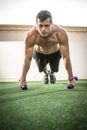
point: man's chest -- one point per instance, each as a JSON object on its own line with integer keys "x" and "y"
{"x": 46, "y": 40}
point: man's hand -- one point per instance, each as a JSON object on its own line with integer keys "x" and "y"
{"x": 72, "y": 83}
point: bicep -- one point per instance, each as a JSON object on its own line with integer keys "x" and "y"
{"x": 28, "y": 46}
{"x": 28, "y": 56}
{"x": 64, "y": 50}
{"x": 64, "y": 45}
{"x": 29, "y": 53}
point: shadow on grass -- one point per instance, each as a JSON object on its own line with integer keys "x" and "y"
{"x": 24, "y": 94}
{"x": 82, "y": 84}
{"x": 13, "y": 92}
{"x": 16, "y": 89}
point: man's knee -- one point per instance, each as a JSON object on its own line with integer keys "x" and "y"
{"x": 55, "y": 69}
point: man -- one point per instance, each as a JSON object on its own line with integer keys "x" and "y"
{"x": 46, "y": 42}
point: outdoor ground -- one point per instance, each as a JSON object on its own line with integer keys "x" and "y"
{"x": 43, "y": 107}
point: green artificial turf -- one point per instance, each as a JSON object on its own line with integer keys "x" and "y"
{"x": 43, "y": 107}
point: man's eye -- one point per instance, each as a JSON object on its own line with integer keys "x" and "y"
{"x": 46, "y": 26}
{"x": 40, "y": 26}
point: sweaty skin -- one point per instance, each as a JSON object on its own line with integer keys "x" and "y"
{"x": 47, "y": 38}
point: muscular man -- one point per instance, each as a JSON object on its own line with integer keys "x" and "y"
{"x": 46, "y": 42}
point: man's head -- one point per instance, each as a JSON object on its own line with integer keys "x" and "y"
{"x": 43, "y": 15}
{"x": 44, "y": 22}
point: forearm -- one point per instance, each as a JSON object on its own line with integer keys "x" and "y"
{"x": 25, "y": 69}
{"x": 68, "y": 67}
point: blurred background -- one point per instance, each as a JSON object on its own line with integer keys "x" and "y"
{"x": 65, "y": 12}
{"x": 17, "y": 17}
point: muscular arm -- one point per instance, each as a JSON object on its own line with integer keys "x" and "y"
{"x": 27, "y": 60}
{"x": 26, "y": 65}
{"x": 64, "y": 46}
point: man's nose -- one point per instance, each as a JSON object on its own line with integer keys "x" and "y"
{"x": 43, "y": 28}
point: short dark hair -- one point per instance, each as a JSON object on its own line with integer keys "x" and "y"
{"x": 43, "y": 15}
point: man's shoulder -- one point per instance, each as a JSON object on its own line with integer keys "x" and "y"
{"x": 33, "y": 29}
{"x": 32, "y": 32}
{"x": 31, "y": 35}
{"x": 62, "y": 34}
{"x": 58, "y": 28}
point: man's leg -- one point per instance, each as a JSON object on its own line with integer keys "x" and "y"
{"x": 45, "y": 77}
{"x": 54, "y": 65}
{"x": 52, "y": 76}
{"x": 42, "y": 65}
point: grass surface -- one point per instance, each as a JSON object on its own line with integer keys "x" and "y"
{"x": 43, "y": 107}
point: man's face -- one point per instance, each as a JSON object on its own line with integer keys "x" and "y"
{"x": 44, "y": 27}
